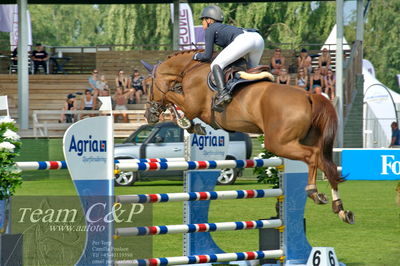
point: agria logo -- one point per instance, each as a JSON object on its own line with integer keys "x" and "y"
{"x": 208, "y": 141}
{"x": 87, "y": 145}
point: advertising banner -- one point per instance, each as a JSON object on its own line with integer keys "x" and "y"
{"x": 374, "y": 164}
{"x": 88, "y": 147}
{"x": 186, "y": 27}
{"x": 212, "y": 146}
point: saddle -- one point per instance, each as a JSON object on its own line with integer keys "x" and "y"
{"x": 238, "y": 73}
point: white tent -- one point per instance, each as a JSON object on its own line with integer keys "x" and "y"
{"x": 380, "y": 110}
{"x": 330, "y": 42}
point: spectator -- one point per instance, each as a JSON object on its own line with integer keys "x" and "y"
{"x": 14, "y": 56}
{"x": 330, "y": 84}
{"x": 283, "y": 78}
{"x": 302, "y": 78}
{"x": 121, "y": 80}
{"x": 93, "y": 80}
{"x": 147, "y": 83}
{"x": 316, "y": 81}
{"x": 137, "y": 83}
{"x": 105, "y": 92}
{"x": 121, "y": 99}
{"x": 102, "y": 83}
{"x": 277, "y": 62}
{"x": 324, "y": 62}
{"x": 304, "y": 60}
{"x": 88, "y": 102}
{"x": 69, "y": 105}
{"x": 395, "y": 143}
{"x": 39, "y": 58}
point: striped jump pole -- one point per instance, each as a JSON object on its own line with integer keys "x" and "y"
{"x": 199, "y": 165}
{"x": 197, "y": 196}
{"x": 196, "y": 259}
{"x": 57, "y": 165}
{"x": 195, "y": 228}
{"x": 42, "y": 165}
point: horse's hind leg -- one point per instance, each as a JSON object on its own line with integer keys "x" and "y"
{"x": 295, "y": 151}
{"x": 312, "y": 191}
{"x": 330, "y": 170}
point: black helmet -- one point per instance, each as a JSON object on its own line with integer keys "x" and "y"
{"x": 213, "y": 12}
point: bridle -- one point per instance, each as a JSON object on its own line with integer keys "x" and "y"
{"x": 160, "y": 106}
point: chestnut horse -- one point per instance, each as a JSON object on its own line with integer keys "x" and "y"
{"x": 296, "y": 125}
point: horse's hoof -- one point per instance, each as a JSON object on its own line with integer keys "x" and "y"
{"x": 318, "y": 198}
{"x": 346, "y": 216}
{"x": 322, "y": 199}
{"x": 184, "y": 123}
{"x": 199, "y": 129}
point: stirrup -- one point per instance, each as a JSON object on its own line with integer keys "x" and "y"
{"x": 219, "y": 103}
{"x": 218, "y": 108}
{"x": 222, "y": 98}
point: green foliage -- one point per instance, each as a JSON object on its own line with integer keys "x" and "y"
{"x": 10, "y": 177}
{"x": 267, "y": 175}
{"x": 382, "y": 41}
{"x": 281, "y": 22}
{"x": 82, "y": 25}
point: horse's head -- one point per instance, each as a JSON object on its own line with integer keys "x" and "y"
{"x": 165, "y": 77}
{"x": 155, "y": 95}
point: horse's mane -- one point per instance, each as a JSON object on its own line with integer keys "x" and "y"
{"x": 185, "y": 52}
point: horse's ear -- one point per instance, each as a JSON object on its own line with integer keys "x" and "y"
{"x": 148, "y": 66}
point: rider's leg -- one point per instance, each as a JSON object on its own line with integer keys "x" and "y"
{"x": 248, "y": 43}
{"x": 223, "y": 95}
{"x": 255, "y": 55}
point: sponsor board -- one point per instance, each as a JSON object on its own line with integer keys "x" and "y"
{"x": 374, "y": 164}
{"x": 212, "y": 146}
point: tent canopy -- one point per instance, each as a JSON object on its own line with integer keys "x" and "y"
{"x": 330, "y": 42}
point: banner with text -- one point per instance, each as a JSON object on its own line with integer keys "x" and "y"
{"x": 376, "y": 164}
{"x": 186, "y": 27}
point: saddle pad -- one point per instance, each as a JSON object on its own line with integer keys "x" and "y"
{"x": 233, "y": 83}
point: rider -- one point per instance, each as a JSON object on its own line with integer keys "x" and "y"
{"x": 237, "y": 42}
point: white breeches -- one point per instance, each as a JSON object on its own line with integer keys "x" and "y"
{"x": 249, "y": 44}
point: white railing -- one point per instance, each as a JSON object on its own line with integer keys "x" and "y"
{"x": 42, "y": 120}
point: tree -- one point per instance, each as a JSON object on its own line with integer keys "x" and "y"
{"x": 382, "y": 41}
{"x": 283, "y": 22}
{"x": 66, "y": 25}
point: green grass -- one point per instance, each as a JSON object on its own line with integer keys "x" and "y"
{"x": 373, "y": 240}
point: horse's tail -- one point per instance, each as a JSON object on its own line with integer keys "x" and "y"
{"x": 325, "y": 120}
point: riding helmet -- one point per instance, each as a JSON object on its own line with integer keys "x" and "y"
{"x": 213, "y": 12}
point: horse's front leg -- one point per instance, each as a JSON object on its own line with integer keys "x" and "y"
{"x": 190, "y": 110}
{"x": 184, "y": 122}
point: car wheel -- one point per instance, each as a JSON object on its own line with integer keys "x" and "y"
{"x": 228, "y": 176}
{"x": 125, "y": 178}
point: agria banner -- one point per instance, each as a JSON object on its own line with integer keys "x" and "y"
{"x": 374, "y": 164}
{"x": 88, "y": 151}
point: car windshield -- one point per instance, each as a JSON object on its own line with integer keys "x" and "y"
{"x": 140, "y": 135}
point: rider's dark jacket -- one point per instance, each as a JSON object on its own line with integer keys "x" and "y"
{"x": 220, "y": 34}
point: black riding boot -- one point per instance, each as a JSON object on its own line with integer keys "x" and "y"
{"x": 223, "y": 95}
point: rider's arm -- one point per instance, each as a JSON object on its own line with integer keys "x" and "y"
{"x": 206, "y": 56}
